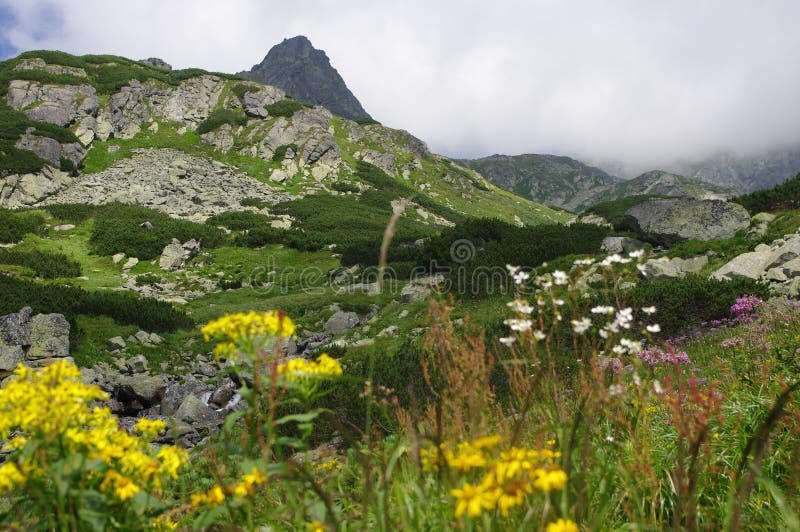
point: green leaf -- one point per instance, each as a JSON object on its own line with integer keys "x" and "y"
{"x": 300, "y": 418}
{"x": 206, "y": 519}
{"x": 93, "y": 513}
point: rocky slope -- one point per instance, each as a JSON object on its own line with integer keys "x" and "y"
{"x": 209, "y": 141}
{"x": 304, "y": 72}
{"x": 553, "y": 180}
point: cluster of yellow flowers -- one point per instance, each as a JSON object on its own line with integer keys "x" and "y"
{"x": 216, "y": 495}
{"x": 234, "y": 329}
{"x": 48, "y": 413}
{"x": 298, "y": 369}
{"x": 508, "y": 476}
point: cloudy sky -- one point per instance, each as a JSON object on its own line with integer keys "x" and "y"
{"x": 640, "y": 82}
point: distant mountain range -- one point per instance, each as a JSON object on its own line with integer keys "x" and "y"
{"x": 306, "y": 74}
{"x": 745, "y": 173}
{"x": 554, "y": 180}
{"x": 569, "y": 184}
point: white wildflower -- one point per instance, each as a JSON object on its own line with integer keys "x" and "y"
{"x": 539, "y": 335}
{"x": 558, "y": 302}
{"x": 649, "y": 310}
{"x": 636, "y": 254}
{"x": 560, "y": 277}
{"x": 507, "y": 340}
{"x": 581, "y": 326}
{"x": 653, "y": 328}
{"x": 520, "y": 306}
{"x": 637, "y": 380}
{"x": 600, "y": 309}
{"x": 519, "y": 325}
{"x": 615, "y": 389}
{"x": 632, "y": 346}
{"x": 657, "y": 388}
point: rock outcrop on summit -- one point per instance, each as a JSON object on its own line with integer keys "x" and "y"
{"x": 305, "y": 73}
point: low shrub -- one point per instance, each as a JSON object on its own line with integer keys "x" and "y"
{"x": 685, "y": 303}
{"x": 367, "y": 121}
{"x": 219, "y": 117}
{"x": 122, "y": 307}
{"x": 73, "y": 212}
{"x": 118, "y": 228}
{"x": 254, "y": 202}
{"x": 280, "y": 151}
{"x": 15, "y": 225}
{"x": 239, "y": 220}
{"x": 286, "y": 108}
{"x": 45, "y": 265}
{"x": 344, "y": 186}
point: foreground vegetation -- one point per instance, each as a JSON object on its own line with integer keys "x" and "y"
{"x": 583, "y": 415}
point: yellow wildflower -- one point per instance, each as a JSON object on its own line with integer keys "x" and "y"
{"x": 123, "y": 487}
{"x": 249, "y": 325}
{"x": 316, "y": 526}
{"x": 472, "y": 500}
{"x": 213, "y": 497}
{"x": 172, "y": 458}
{"x": 563, "y": 525}
{"x": 298, "y": 369}
{"x": 10, "y": 476}
{"x": 150, "y": 428}
{"x": 551, "y": 480}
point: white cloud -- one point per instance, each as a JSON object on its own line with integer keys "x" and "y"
{"x": 641, "y": 82}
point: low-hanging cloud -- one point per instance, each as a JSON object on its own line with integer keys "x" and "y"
{"x": 644, "y": 83}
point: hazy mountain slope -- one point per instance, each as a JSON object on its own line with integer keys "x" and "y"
{"x": 305, "y": 73}
{"x": 745, "y": 173}
{"x": 553, "y": 180}
{"x": 660, "y": 183}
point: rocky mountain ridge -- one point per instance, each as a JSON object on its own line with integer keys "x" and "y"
{"x": 305, "y": 72}
{"x": 231, "y": 132}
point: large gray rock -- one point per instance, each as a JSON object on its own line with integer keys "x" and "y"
{"x": 56, "y": 104}
{"x": 194, "y": 411}
{"x": 175, "y": 255}
{"x": 340, "y": 322}
{"x": 255, "y": 101}
{"x": 757, "y": 264}
{"x": 45, "y": 147}
{"x": 28, "y": 189}
{"x": 191, "y": 102}
{"x": 664, "y": 268}
{"x": 49, "y": 336}
{"x": 673, "y": 220}
{"x": 31, "y": 339}
{"x": 621, "y": 244}
{"x": 129, "y": 110}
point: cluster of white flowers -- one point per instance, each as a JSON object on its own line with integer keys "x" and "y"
{"x": 518, "y": 274}
{"x": 583, "y": 262}
{"x": 615, "y": 258}
{"x": 560, "y": 278}
{"x": 519, "y": 325}
{"x": 520, "y": 307}
{"x": 601, "y": 309}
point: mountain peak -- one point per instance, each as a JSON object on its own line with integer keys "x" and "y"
{"x": 304, "y": 72}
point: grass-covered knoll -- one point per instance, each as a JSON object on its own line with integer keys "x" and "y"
{"x": 781, "y": 197}
{"x": 107, "y": 73}
{"x": 614, "y": 210}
